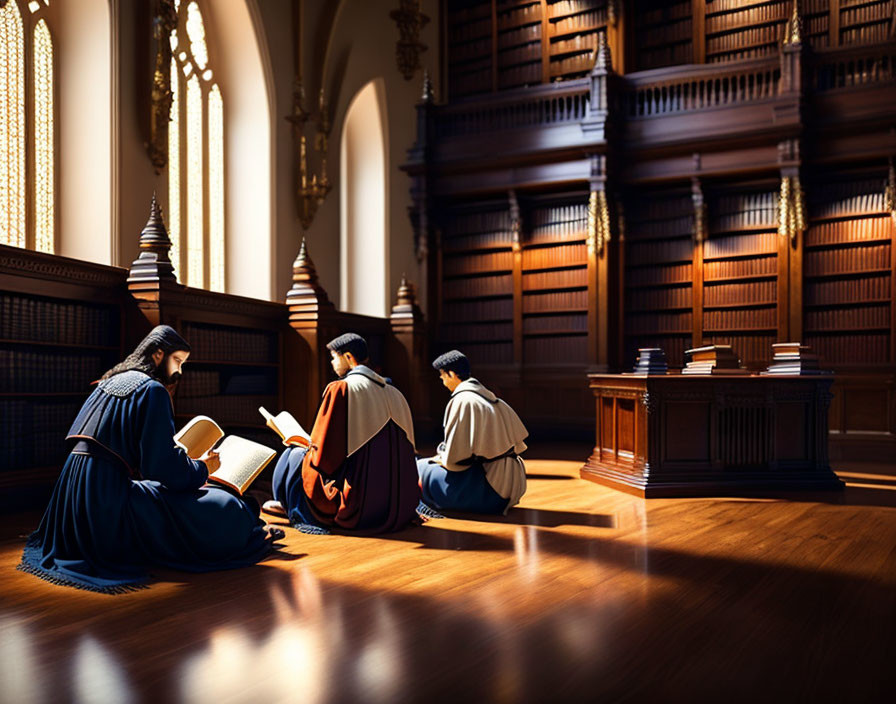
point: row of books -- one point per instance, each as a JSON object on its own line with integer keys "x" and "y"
{"x": 560, "y": 232}
{"x": 657, "y": 251}
{"x": 534, "y": 324}
{"x": 229, "y": 344}
{"x": 465, "y": 31}
{"x": 717, "y": 6}
{"x": 522, "y": 35}
{"x": 468, "y": 11}
{"x": 478, "y": 286}
{"x": 43, "y": 320}
{"x": 560, "y": 255}
{"x": 526, "y": 14}
{"x": 477, "y": 332}
{"x": 583, "y": 21}
{"x": 872, "y": 316}
{"x": 577, "y": 43}
{"x": 834, "y": 199}
{"x": 855, "y": 348}
{"x": 817, "y": 25}
{"x": 639, "y": 299}
{"x": 769, "y": 12}
{"x": 658, "y": 36}
{"x": 480, "y": 49}
{"x": 196, "y": 382}
{"x": 672, "y": 274}
{"x": 518, "y": 55}
{"x": 736, "y": 40}
{"x": 653, "y": 206}
{"x": 875, "y": 227}
{"x": 646, "y": 323}
{"x": 740, "y": 267}
{"x": 478, "y": 241}
{"x": 476, "y": 263}
{"x": 24, "y": 371}
{"x": 575, "y": 64}
{"x": 668, "y": 12}
{"x": 488, "y": 352}
{"x": 493, "y": 309}
{"x": 464, "y": 224}
{"x": 869, "y": 34}
{"x": 34, "y": 432}
{"x": 558, "y": 215}
{"x": 741, "y": 54}
{"x": 665, "y": 56}
{"x": 748, "y": 243}
{"x": 548, "y": 350}
{"x": 681, "y": 226}
{"x": 740, "y": 318}
{"x": 743, "y": 293}
{"x": 849, "y": 259}
{"x": 526, "y": 74}
{"x": 863, "y": 288}
{"x": 567, "y": 278}
{"x": 750, "y": 206}
{"x": 477, "y": 82}
{"x": 561, "y": 300}
{"x": 755, "y": 350}
{"x": 236, "y": 409}
{"x": 881, "y": 11}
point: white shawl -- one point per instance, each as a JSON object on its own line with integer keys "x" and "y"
{"x": 478, "y": 423}
{"x": 371, "y": 404}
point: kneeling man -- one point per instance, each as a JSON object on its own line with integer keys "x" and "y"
{"x": 478, "y": 467}
{"x": 359, "y": 474}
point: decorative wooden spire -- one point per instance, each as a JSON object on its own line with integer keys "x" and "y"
{"x": 604, "y": 59}
{"x": 307, "y": 298}
{"x": 793, "y": 32}
{"x": 153, "y": 264}
{"x": 406, "y": 309}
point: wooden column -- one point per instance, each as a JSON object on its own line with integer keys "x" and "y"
{"x": 407, "y": 359}
{"x": 697, "y": 273}
{"x": 516, "y": 226}
{"x": 698, "y": 29}
{"x": 310, "y": 310}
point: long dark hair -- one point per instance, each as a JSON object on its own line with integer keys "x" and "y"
{"x": 162, "y": 337}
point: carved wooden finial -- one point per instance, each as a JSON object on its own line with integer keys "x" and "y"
{"x": 793, "y": 31}
{"x": 303, "y": 268}
{"x": 307, "y": 299}
{"x": 427, "y": 96}
{"x": 407, "y": 292}
{"x": 153, "y": 264}
{"x": 604, "y": 60}
{"x": 406, "y": 310}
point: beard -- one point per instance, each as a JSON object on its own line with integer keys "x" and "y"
{"x": 169, "y": 379}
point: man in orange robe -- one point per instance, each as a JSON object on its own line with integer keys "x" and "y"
{"x": 359, "y": 475}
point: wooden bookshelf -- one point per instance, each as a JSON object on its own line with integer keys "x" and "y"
{"x": 664, "y": 33}
{"x": 848, "y": 270}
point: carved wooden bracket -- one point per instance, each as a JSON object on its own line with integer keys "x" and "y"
{"x": 409, "y": 47}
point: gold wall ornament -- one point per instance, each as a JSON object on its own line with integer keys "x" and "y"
{"x": 409, "y": 47}
{"x": 890, "y": 191}
{"x": 598, "y": 222}
{"x": 312, "y": 188}
{"x": 516, "y": 221}
{"x": 163, "y": 22}
{"x": 793, "y": 31}
{"x": 699, "y": 210}
{"x": 791, "y": 208}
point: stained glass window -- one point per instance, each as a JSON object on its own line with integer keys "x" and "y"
{"x": 196, "y": 156}
{"x": 28, "y": 197}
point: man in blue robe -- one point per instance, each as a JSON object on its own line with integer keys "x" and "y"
{"x": 128, "y": 498}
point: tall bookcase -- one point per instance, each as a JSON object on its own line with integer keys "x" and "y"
{"x": 865, "y": 22}
{"x": 477, "y": 285}
{"x": 665, "y": 34}
{"x": 555, "y": 281}
{"x": 848, "y": 271}
{"x": 499, "y": 44}
{"x": 659, "y": 273}
{"x": 740, "y": 273}
{"x": 737, "y": 30}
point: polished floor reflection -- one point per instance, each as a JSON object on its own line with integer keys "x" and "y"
{"x": 580, "y": 594}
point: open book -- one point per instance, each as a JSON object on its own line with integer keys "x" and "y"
{"x": 287, "y": 427}
{"x": 241, "y": 460}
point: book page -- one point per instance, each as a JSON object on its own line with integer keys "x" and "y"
{"x": 287, "y": 427}
{"x": 198, "y": 436}
{"x": 241, "y": 462}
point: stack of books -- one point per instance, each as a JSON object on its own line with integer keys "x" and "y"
{"x": 651, "y": 360}
{"x": 793, "y": 358}
{"x": 712, "y": 359}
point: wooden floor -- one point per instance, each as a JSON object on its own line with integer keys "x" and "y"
{"x": 581, "y": 594}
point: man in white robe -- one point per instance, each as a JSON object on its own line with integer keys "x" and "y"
{"x": 477, "y": 468}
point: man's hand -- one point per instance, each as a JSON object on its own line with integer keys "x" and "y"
{"x": 212, "y": 461}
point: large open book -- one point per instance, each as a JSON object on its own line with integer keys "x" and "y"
{"x": 241, "y": 460}
{"x": 287, "y": 427}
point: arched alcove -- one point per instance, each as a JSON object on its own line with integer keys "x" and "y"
{"x": 364, "y": 258}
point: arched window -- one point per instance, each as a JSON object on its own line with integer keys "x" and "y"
{"x": 27, "y": 127}
{"x": 364, "y": 214}
{"x": 195, "y": 156}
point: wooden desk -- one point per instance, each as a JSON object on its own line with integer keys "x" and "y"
{"x": 675, "y": 435}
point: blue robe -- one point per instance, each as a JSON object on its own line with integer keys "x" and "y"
{"x": 128, "y": 499}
